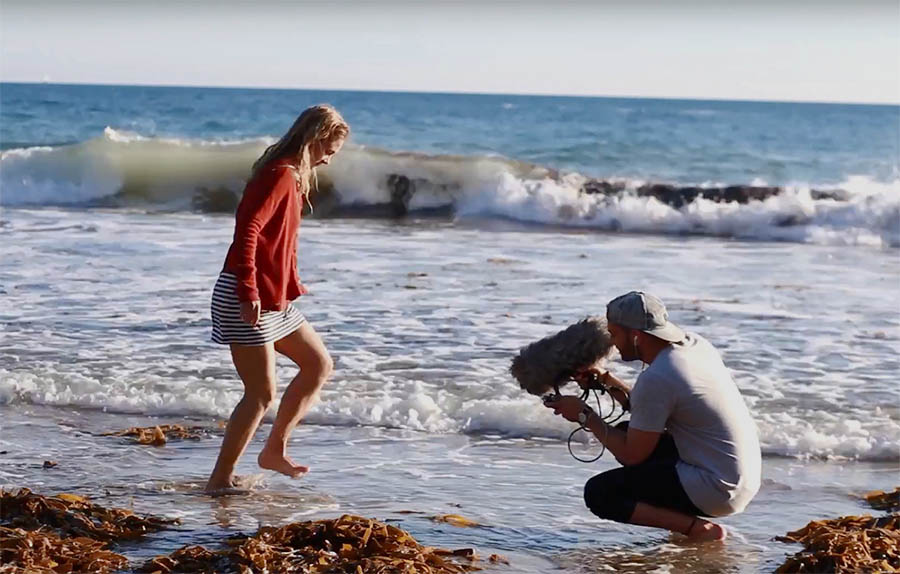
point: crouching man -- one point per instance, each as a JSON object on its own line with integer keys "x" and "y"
{"x": 690, "y": 450}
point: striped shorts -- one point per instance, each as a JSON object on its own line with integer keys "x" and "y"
{"x": 228, "y": 328}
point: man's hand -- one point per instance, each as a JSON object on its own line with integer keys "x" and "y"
{"x": 568, "y": 406}
{"x": 588, "y": 378}
{"x": 250, "y": 312}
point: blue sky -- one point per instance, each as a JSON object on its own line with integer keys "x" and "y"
{"x": 800, "y": 50}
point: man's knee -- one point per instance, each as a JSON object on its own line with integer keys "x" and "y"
{"x": 605, "y": 496}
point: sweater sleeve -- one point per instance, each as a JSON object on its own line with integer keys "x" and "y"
{"x": 257, "y": 206}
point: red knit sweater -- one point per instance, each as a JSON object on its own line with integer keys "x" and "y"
{"x": 263, "y": 254}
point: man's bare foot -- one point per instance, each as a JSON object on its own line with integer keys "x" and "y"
{"x": 280, "y": 463}
{"x": 705, "y": 531}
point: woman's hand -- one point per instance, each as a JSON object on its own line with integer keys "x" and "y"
{"x": 250, "y": 312}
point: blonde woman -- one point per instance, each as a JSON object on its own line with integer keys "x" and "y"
{"x": 251, "y": 302}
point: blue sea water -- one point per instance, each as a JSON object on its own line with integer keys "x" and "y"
{"x": 682, "y": 141}
{"x": 521, "y": 158}
{"x": 106, "y": 267}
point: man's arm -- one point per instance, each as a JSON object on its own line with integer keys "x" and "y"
{"x": 629, "y": 448}
{"x": 617, "y": 389}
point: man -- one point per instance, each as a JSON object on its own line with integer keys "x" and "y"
{"x": 690, "y": 449}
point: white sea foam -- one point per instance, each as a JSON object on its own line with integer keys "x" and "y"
{"x": 428, "y": 409}
{"x": 169, "y": 173}
{"x": 143, "y": 170}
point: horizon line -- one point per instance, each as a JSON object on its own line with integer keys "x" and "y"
{"x": 454, "y": 93}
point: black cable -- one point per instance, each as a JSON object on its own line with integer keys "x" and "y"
{"x": 584, "y": 396}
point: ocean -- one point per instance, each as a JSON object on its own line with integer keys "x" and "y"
{"x": 451, "y": 231}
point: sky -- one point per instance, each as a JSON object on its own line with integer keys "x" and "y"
{"x": 725, "y": 49}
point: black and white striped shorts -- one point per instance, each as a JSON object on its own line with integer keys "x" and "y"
{"x": 228, "y": 328}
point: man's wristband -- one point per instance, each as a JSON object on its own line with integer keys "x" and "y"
{"x": 585, "y": 415}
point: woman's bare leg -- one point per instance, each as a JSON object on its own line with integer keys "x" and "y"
{"x": 306, "y": 349}
{"x": 256, "y": 367}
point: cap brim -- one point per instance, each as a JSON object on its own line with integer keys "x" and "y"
{"x": 668, "y": 332}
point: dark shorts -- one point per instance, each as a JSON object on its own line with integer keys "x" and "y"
{"x": 614, "y": 494}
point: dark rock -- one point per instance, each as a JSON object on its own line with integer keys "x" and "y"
{"x": 670, "y": 194}
{"x": 323, "y": 198}
{"x": 678, "y": 197}
{"x": 788, "y": 221}
{"x": 217, "y": 200}
{"x": 741, "y": 193}
{"x": 835, "y": 194}
{"x": 399, "y": 191}
{"x": 402, "y": 190}
{"x": 598, "y": 186}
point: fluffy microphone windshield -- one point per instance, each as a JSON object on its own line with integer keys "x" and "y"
{"x": 551, "y": 362}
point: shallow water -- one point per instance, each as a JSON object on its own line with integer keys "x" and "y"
{"x": 525, "y": 495}
{"x": 111, "y": 310}
{"x": 105, "y": 326}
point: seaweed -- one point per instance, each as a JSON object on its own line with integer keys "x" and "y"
{"x": 160, "y": 434}
{"x": 72, "y": 515}
{"x": 847, "y": 544}
{"x": 347, "y": 545}
{"x": 38, "y": 552}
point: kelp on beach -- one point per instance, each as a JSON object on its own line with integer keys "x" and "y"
{"x": 889, "y": 501}
{"x": 37, "y": 552}
{"x": 65, "y": 533}
{"x": 68, "y": 533}
{"x": 160, "y": 434}
{"x": 850, "y": 543}
{"x": 349, "y": 544}
{"x": 73, "y": 515}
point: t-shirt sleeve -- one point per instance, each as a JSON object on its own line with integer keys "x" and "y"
{"x": 652, "y": 402}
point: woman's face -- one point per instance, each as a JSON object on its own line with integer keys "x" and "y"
{"x": 321, "y": 152}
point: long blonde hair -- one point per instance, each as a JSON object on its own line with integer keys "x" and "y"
{"x": 321, "y": 123}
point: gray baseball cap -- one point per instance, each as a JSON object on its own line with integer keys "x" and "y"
{"x": 644, "y": 312}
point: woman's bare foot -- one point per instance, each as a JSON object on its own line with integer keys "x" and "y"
{"x": 218, "y": 484}
{"x": 705, "y": 531}
{"x": 279, "y": 462}
{"x": 224, "y": 487}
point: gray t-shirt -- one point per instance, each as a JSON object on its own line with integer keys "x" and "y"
{"x": 688, "y": 391}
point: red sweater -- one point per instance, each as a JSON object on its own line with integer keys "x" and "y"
{"x": 263, "y": 254}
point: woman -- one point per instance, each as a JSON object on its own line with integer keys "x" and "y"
{"x": 251, "y": 302}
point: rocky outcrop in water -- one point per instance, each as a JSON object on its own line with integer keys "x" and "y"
{"x": 399, "y": 190}
{"x": 402, "y": 189}
{"x": 679, "y": 196}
